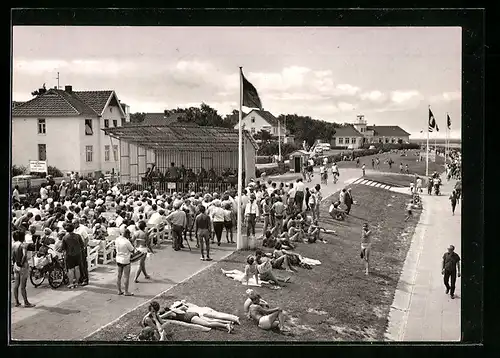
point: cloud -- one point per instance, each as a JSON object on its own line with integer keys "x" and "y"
{"x": 347, "y": 89}
{"x": 399, "y": 97}
{"x": 373, "y": 96}
{"x": 345, "y": 107}
{"x": 446, "y": 97}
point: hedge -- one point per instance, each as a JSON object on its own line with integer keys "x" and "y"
{"x": 55, "y": 172}
{"x": 280, "y": 168}
{"x": 263, "y": 159}
{"x": 390, "y": 146}
{"x": 270, "y": 149}
{"x": 18, "y": 170}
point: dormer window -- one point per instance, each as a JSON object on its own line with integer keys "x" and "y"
{"x": 252, "y": 119}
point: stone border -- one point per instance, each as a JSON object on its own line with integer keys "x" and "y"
{"x": 398, "y": 314}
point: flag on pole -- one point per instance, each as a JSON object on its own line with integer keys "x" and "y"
{"x": 448, "y": 120}
{"x": 432, "y": 121}
{"x": 437, "y": 128}
{"x": 250, "y": 96}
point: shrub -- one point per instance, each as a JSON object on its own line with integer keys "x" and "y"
{"x": 281, "y": 168}
{"x": 55, "y": 172}
{"x": 18, "y": 170}
{"x": 389, "y": 146}
{"x": 263, "y": 159}
{"x": 269, "y": 149}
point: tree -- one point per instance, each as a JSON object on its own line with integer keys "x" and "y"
{"x": 230, "y": 120}
{"x": 39, "y": 91}
{"x": 263, "y": 135}
{"x": 203, "y": 116}
{"x": 308, "y": 129}
{"x": 137, "y": 117}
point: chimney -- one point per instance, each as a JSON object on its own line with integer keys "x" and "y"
{"x": 68, "y": 88}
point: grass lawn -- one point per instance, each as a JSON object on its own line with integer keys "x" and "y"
{"x": 413, "y": 166}
{"x": 334, "y": 301}
{"x": 397, "y": 180}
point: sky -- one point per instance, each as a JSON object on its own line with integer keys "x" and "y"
{"x": 390, "y": 75}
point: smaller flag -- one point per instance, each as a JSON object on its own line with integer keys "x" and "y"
{"x": 432, "y": 121}
{"x": 437, "y": 128}
{"x": 250, "y": 96}
{"x": 448, "y": 121}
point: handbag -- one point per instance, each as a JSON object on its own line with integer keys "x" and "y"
{"x": 136, "y": 256}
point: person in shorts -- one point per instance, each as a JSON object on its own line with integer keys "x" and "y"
{"x": 72, "y": 245}
{"x": 366, "y": 247}
{"x": 409, "y": 208}
{"x": 124, "y": 249}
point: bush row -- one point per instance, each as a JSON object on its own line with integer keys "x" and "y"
{"x": 22, "y": 170}
{"x": 280, "y": 168}
{"x": 263, "y": 159}
{"x": 390, "y": 146}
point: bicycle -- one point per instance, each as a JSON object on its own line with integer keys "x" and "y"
{"x": 52, "y": 266}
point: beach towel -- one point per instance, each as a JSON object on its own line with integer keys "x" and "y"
{"x": 311, "y": 262}
{"x": 238, "y": 275}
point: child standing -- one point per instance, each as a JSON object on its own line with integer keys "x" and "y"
{"x": 409, "y": 206}
{"x": 366, "y": 247}
{"x": 363, "y": 167}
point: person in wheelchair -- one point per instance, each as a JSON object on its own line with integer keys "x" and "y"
{"x": 335, "y": 211}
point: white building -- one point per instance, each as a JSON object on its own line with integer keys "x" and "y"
{"x": 63, "y": 127}
{"x": 260, "y": 120}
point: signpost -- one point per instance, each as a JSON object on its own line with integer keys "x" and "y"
{"x": 38, "y": 166}
{"x": 171, "y": 187}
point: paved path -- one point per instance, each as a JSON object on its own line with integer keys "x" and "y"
{"x": 421, "y": 310}
{"x": 64, "y": 314}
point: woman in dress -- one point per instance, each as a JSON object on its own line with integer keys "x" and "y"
{"x": 143, "y": 245}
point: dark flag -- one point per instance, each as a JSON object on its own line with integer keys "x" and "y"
{"x": 437, "y": 128}
{"x": 448, "y": 121}
{"x": 250, "y": 96}
{"x": 432, "y": 121}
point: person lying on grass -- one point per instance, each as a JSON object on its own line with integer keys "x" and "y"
{"x": 292, "y": 258}
{"x": 251, "y": 270}
{"x": 181, "y": 314}
{"x": 336, "y": 212}
{"x": 265, "y": 269}
{"x": 205, "y": 312}
{"x": 270, "y": 241}
{"x": 266, "y": 318}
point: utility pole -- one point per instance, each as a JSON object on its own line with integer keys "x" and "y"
{"x": 57, "y": 78}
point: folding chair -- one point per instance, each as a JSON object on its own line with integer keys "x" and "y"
{"x": 92, "y": 258}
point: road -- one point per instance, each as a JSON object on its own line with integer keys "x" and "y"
{"x": 64, "y": 314}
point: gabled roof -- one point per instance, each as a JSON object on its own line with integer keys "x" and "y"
{"x": 97, "y": 100}
{"x": 53, "y": 103}
{"x": 347, "y": 131}
{"x": 268, "y": 116}
{"x": 15, "y": 104}
{"x": 161, "y": 119}
{"x": 388, "y": 131}
{"x": 180, "y": 137}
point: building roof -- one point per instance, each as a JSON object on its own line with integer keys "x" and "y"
{"x": 268, "y": 116}
{"x": 347, "y": 131}
{"x": 97, "y": 100}
{"x": 53, "y": 103}
{"x": 388, "y": 131}
{"x": 15, "y": 104}
{"x": 180, "y": 137}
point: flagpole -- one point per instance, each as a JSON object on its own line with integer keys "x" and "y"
{"x": 279, "y": 141}
{"x": 427, "y": 147}
{"x": 446, "y": 142}
{"x": 239, "y": 239}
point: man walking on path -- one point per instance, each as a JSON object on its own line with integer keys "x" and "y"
{"x": 348, "y": 200}
{"x": 451, "y": 269}
{"x": 453, "y": 199}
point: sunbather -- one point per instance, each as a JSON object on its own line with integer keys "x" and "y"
{"x": 251, "y": 269}
{"x": 206, "y": 312}
{"x": 265, "y": 269}
{"x": 335, "y": 211}
{"x": 266, "y": 318}
{"x": 153, "y": 328}
{"x": 181, "y": 314}
{"x": 252, "y": 294}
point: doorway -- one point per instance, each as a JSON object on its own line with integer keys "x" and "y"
{"x": 297, "y": 164}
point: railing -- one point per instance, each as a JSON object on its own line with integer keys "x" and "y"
{"x": 185, "y": 186}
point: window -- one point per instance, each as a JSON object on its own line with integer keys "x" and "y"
{"x": 380, "y": 140}
{"x": 41, "y": 126}
{"x": 110, "y": 109}
{"x": 362, "y": 130}
{"x": 252, "y": 130}
{"x": 387, "y": 140}
{"x": 88, "y": 153}
{"x": 42, "y": 152}
{"x": 115, "y": 152}
{"x": 115, "y": 123}
{"x": 252, "y": 119}
{"x": 393, "y": 140}
{"x": 341, "y": 140}
{"x": 347, "y": 141}
{"x": 106, "y": 123}
{"x": 106, "y": 153}
{"x": 88, "y": 127}
{"x": 353, "y": 140}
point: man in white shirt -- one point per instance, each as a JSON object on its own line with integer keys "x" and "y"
{"x": 299, "y": 193}
{"x": 157, "y": 218}
{"x": 244, "y": 200}
{"x": 251, "y": 214}
{"x": 124, "y": 249}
